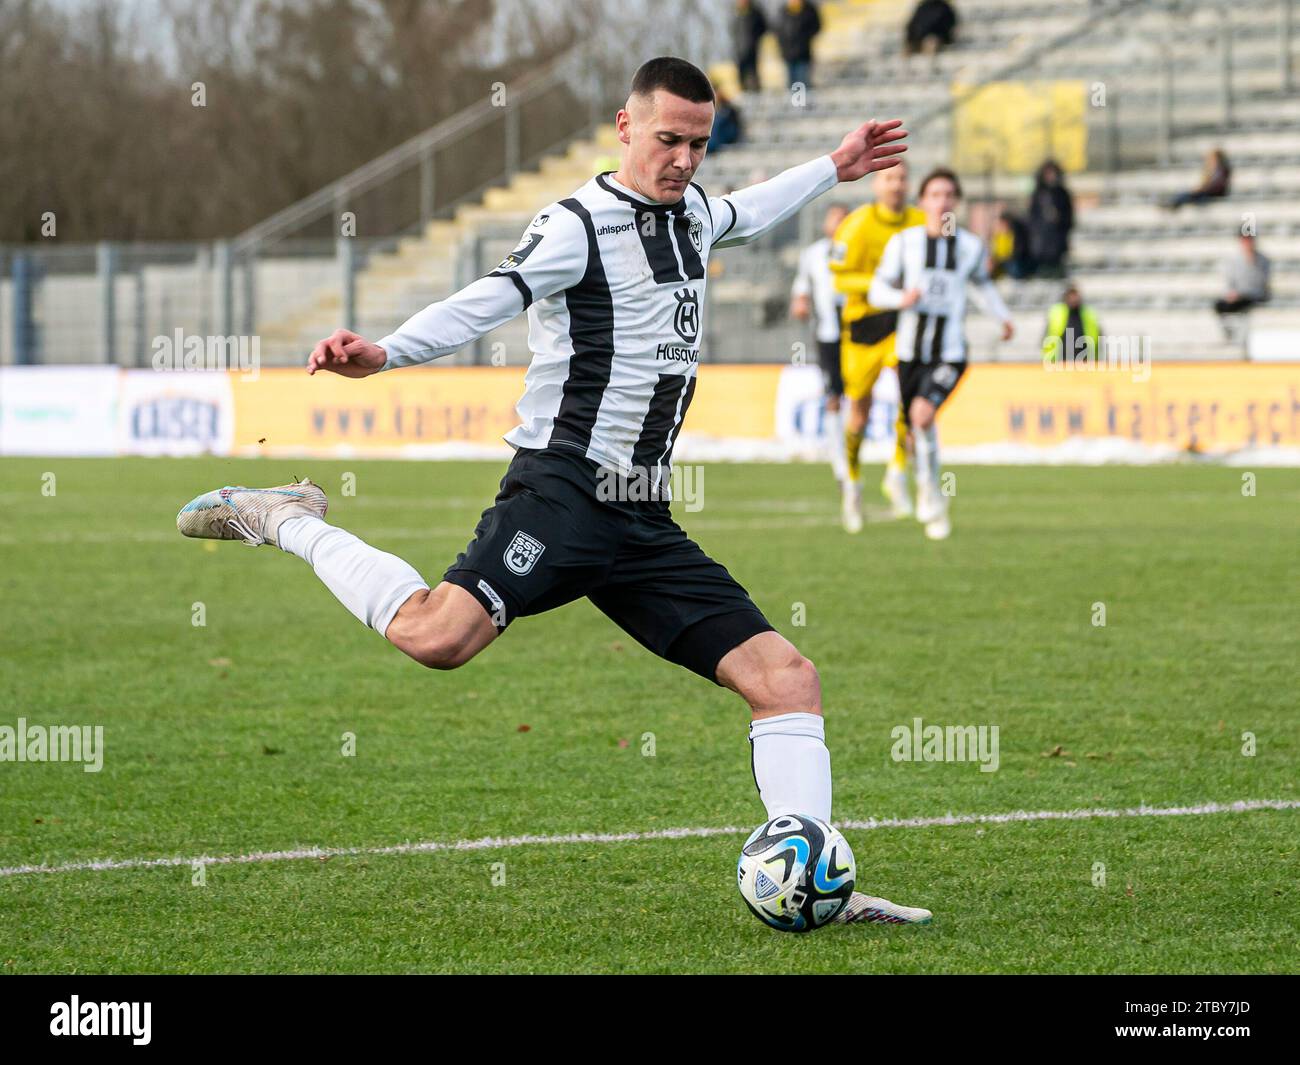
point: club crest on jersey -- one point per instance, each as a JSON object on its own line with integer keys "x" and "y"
{"x": 687, "y": 319}
{"x": 695, "y": 230}
{"x": 522, "y": 554}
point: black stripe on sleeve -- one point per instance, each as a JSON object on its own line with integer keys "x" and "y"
{"x": 591, "y": 330}
{"x": 731, "y": 225}
{"x": 703, "y": 196}
{"x": 519, "y": 283}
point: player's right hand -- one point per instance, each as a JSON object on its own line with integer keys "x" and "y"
{"x": 911, "y": 297}
{"x": 344, "y": 352}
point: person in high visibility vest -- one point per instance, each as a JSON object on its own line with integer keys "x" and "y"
{"x": 1073, "y": 332}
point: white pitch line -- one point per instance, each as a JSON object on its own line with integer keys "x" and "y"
{"x": 500, "y": 842}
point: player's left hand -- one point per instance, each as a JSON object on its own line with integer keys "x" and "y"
{"x": 872, "y": 146}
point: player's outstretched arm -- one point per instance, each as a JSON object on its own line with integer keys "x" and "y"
{"x": 872, "y": 146}
{"x": 741, "y": 216}
{"x": 551, "y": 256}
{"x": 344, "y": 352}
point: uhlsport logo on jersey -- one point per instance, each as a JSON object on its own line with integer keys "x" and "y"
{"x": 522, "y": 554}
{"x": 696, "y": 230}
{"x": 687, "y": 319}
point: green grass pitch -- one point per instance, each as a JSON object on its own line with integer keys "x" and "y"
{"x": 225, "y": 738}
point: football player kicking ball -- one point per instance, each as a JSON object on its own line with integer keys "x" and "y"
{"x": 923, "y": 273}
{"x": 613, "y": 279}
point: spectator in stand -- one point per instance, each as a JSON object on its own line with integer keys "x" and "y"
{"x": 1009, "y": 248}
{"x": 727, "y": 125}
{"x": 1051, "y": 217}
{"x": 931, "y": 27}
{"x": 796, "y": 26}
{"x": 1216, "y": 177}
{"x": 748, "y": 27}
{"x": 1247, "y": 275}
{"x": 1072, "y": 329}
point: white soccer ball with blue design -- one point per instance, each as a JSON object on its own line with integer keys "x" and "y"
{"x": 796, "y": 873}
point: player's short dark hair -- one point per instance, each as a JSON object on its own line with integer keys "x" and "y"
{"x": 673, "y": 75}
{"x": 940, "y": 173}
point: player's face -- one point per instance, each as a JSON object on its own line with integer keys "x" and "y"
{"x": 939, "y": 201}
{"x": 666, "y": 138}
{"x": 890, "y": 187}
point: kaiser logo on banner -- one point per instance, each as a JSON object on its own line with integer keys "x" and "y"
{"x": 801, "y": 409}
{"x": 176, "y": 413}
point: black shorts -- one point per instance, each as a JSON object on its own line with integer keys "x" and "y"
{"x": 549, "y": 539}
{"x": 828, "y": 358}
{"x": 934, "y": 381}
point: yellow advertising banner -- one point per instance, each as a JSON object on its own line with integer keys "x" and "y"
{"x": 459, "y": 410}
{"x": 284, "y": 411}
{"x": 1211, "y": 407}
{"x": 1013, "y": 126}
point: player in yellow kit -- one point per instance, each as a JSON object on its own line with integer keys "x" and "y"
{"x": 867, "y": 339}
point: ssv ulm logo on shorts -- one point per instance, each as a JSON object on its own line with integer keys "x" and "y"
{"x": 522, "y": 554}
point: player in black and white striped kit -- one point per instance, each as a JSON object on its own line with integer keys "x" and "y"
{"x": 923, "y": 272}
{"x": 613, "y": 280}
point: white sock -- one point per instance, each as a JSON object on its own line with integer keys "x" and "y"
{"x": 371, "y": 583}
{"x": 835, "y": 443}
{"x": 792, "y": 766}
{"x": 926, "y": 445}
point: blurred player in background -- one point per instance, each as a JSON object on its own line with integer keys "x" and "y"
{"x": 923, "y": 273}
{"x": 867, "y": 344}
{"x": 814, "y": 295}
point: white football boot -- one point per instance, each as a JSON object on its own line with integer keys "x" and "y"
{"x": 868, "y": 908}
{"x": 894, "y": 489}
{"x": 939, "y": 529}
{"x": 929, "y": 503}
{"x": 851, "y": 507}
{"x": 253, "y": 515}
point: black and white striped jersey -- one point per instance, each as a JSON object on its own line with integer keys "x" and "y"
{"x": 614, "y": 288}
{"x": 933, "y": 328}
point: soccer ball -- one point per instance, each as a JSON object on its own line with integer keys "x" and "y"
{"x": 796, "y": 872}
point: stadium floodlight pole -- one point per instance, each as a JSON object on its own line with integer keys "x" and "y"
{"x": 1284, "y": 52}
{"x": 106, "y": 267}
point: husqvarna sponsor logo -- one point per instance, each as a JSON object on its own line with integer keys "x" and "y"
{"x": 686, "y": 319}
{"x": 677, "y": 353}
